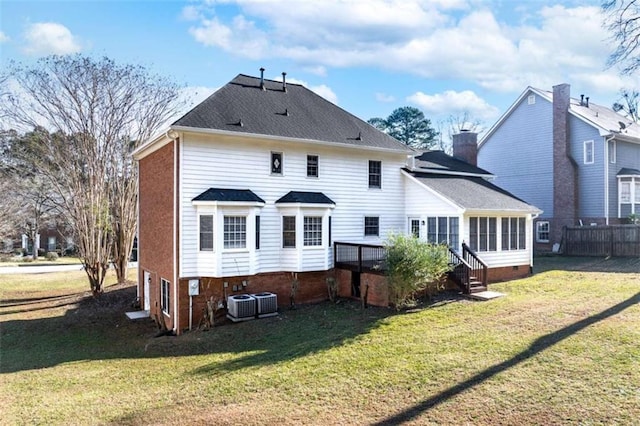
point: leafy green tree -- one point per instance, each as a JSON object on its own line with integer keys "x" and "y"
{"x": 413, "y": 266}
{"x": 408, "y": 125}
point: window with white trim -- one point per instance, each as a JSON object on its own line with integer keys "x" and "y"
{"x": 312, "y": 231}
{"x": 588, "y": 152}
{"x": 375, "y": 174}
{"x": 288, "y": 231}
{"x": 531, "y": 99}
{"x": 312, "y": 166}
{"x": 276, "y": 163}
{"x": 542, "y": 231}
{"x": 514, "y": 233}
{"x": 371, "y": 226}
{"x": 414, "y": 227}
{"x": 612, "y": 151}
{"x": 165, "y": 299}
{"x": 206, "y": 232}
{"x": 483, "y": 233}
{"x": 235, "y": 232}
{"x": 257, "y": 232}
{"x": 637, "y": 193}
{"x": 625, "y": 192}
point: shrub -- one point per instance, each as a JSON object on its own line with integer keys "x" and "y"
{"x": 52, "y": 255}
{"x": 413, "y": 266}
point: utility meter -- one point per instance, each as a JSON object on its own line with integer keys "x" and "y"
{"x": 194, "y": 287}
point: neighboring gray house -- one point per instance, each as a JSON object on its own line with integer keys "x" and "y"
{"x": 577, "y": 161}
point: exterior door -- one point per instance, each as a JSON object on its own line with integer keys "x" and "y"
{"x": 414, "y": 227}
{"x": 147, "y": 286}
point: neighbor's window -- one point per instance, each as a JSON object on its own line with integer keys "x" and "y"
{"x": 288, "y": 231}
{"x": 375, "y": 174}
{"x": 482, "y": 233}
{"x": 625, "y": 192}
{"x": 513, "y": 233}
{"x": 371, "y": 226}
{"x": 542, "y": 232}
{"x": 235, "y": 232}
{"x": 312, "y": 166}
{"x": 637, "y": 194}
{"x": 312, "y": 231}
{"x": 276, "y": 163}
{"x": 588, "y": 152}
{"x": 612, "y": 152}
{"x": 165, "y": 300}
{"x": 531, "y": 99}
{"x": 206, "y": 232}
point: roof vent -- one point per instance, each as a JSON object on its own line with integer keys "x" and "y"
{"x": 581, "y": 100}
{"x": 284, "y": 81}
{"x": 262, "y": 78}
{"x": 359, "y": 138}
{"x": 240, "y": 123}
{"x": 587, "y": 102}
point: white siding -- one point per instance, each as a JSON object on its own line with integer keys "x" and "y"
{"x": 226, "y": 162}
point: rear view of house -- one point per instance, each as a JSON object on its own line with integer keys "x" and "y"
{"x": 253, "y": 189}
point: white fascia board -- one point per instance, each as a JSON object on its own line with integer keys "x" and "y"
{"x": 502, "y": 212}
{"x": 151, "y": 146}
{"x": 459, "y": 209}
{"x": 227, "y": 203}
{"x": 306, "y": 205}
{"x": 487, "y": 176}
{"x": 288, "y": 139}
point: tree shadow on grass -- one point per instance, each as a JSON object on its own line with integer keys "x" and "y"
{"x": 536, "y": 347}
{"x": 52, "y": 331}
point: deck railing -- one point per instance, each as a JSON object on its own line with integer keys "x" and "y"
{"x": 359, "y": 257}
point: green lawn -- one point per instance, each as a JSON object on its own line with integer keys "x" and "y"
{"x": 563, "y": 347}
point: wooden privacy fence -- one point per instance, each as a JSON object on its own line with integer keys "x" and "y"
{"x": 611, "y": 240}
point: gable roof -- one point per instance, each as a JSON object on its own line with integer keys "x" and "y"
{"x": 474, "y": 193}
{"x": 440, "y": 162}
{"x": 305, "y": 198}
{"x": 224, "y": 194}
{"x": 604, "y": 119}
{"x": 242, "y": 106}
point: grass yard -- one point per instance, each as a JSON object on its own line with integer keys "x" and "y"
{"x": 562, "y": 348}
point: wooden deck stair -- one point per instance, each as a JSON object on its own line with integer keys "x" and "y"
{"x": 468, "y": 271}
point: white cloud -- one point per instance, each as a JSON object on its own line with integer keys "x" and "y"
{"x": 45, "y": 38}
{"x": 3, "y": 37}
{"x": 322, "y": 90}
{"x": 383, "y": 97}
{"x": 454, "y": 39}
{"x": 454, "y": 103}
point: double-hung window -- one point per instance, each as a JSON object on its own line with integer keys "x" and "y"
{"x": 443, "y": 230}
{"x": 235, "y": 232}
{"x": 375, "y": 174}
{"x": 588, "y": 152}
{"x": 542, "y": 231}
{"x": 312, "y": 166}
{"x": 288, "y": 231}
{"x": 312, "y": 230}
{"x": 371, "y": 226}
{"x": 206, "y": 232}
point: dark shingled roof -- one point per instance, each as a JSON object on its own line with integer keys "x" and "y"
{"x": 242, "y": 106}
{"x": 305, "y": 198}
{"x": 222, "y": 194}
{"x": 628, "y": 171}
{"x": 474, "y": 193}
{"x": 438, "y": 161}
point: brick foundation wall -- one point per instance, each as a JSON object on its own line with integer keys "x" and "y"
{"x": 155, "y": 239}
{"x": 508, "y": 273}
{"x": 312, "y": 288}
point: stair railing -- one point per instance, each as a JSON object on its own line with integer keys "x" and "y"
{"x": 478, "y": 267}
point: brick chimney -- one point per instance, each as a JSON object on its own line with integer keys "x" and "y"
{"x": 465, "y": 147}
{"x": 565, "y": 169}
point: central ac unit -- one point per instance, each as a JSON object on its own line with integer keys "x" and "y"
{"x": 241, "y": 307}
{"x": 267, "y": 304}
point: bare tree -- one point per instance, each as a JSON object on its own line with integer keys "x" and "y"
{"x": 622, "y": 19}
{"x": 628, "y": 104}
{"x": 455, "y": 124}
{"x": 98, "y": 111}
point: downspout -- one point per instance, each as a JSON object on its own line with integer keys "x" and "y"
{"x": 606, "y": 178}
{"x": 171, "y": 134}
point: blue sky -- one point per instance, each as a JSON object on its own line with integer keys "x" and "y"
{"x": 368, "y": 56}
